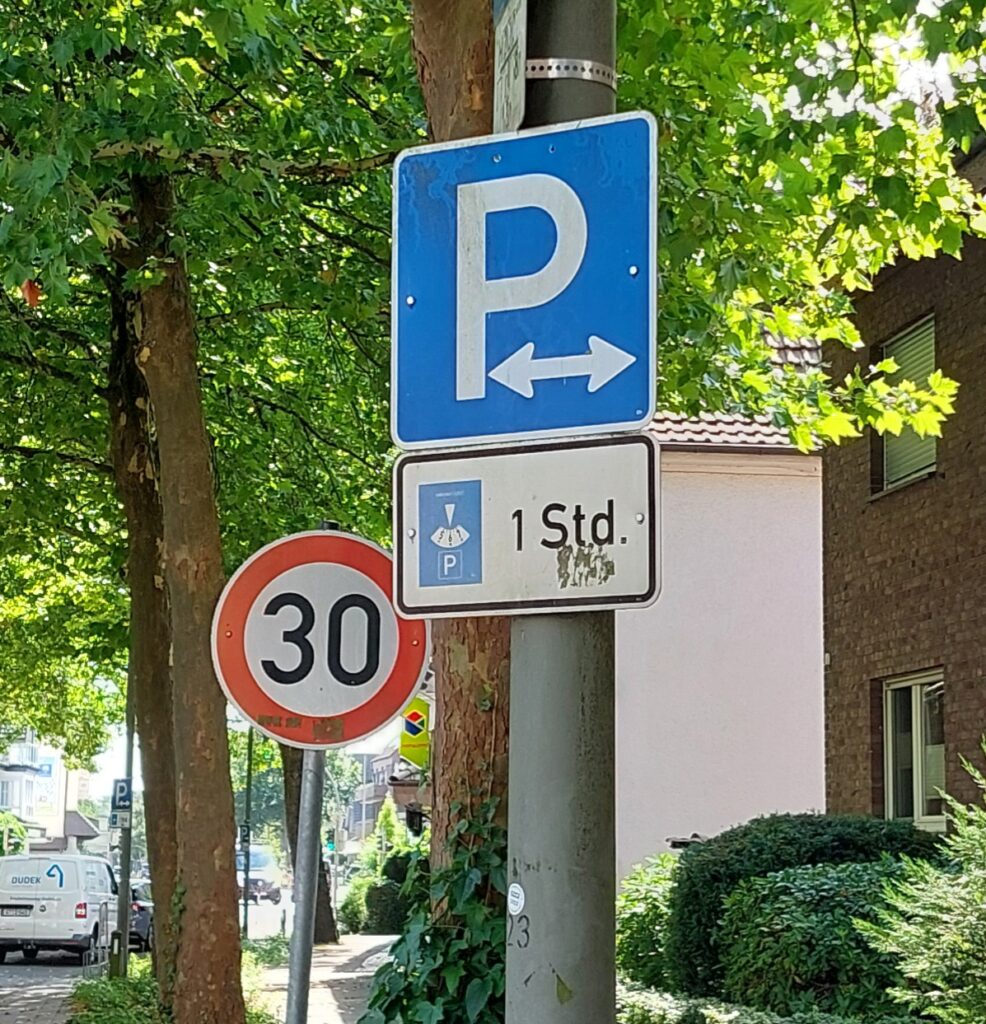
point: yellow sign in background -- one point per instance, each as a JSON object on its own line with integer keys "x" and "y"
{"x": 416, "y": 733}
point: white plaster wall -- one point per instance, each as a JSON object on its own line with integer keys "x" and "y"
{"x": 719, "y": 710}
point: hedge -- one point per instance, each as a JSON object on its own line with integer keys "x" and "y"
{"x": 790, "y": 943}
{"x": 642, "y": 909}
{"x": 640, "y": 1006}
{"x": 708, "y": 872}
{"x": 387, "y": 909}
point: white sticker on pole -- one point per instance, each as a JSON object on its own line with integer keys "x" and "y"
{"x": 516, "y": 899}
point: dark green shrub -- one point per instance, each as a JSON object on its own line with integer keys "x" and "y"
{"x": 708, "y": 872}
{"x": 396, "y": 866}
{"x": 387, "y": 908}
{"x": 789, "y": 943}
{"x": 934, "y": 924}
{"x": 642, "y": 910}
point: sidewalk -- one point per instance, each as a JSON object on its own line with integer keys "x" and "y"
{"x": 340, "y": 980}
{"x": 37, "y": 993}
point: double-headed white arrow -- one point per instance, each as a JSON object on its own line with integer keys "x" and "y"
{"x": 600, "y": 364}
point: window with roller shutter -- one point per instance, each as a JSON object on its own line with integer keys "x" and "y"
{"x": 907, "y": 456}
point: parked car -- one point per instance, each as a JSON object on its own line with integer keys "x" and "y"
{"x": 265, "y": 875}
{"x": 142, "y": 917}
{"x": 56, "y": 902}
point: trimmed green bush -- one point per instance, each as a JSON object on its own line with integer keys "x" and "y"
{"x": 637, "y": 1006}
{"x": 642, "y": 909}
{"x": 789, "y": 942}
{"x": 708, "y": 872}
{"x": 387, "y": 909}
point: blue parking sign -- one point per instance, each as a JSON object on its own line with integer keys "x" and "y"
{"x": 525, "y": 285}
{"x": 451, "y": 524}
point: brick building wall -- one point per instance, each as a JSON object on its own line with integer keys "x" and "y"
{"x": 905, "y": 571}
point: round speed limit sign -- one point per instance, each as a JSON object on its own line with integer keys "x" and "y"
{"x": 307, "y": 645}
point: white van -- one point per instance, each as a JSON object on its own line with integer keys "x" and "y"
{"x": 51, "y": 901}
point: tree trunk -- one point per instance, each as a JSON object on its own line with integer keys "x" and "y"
{"x": 453, "y": 47}
{"x": 207, "y": 979}
{"x": 326, "y": 929}
{"x": 472, "y": 677}
{"x": 150, "y": 626}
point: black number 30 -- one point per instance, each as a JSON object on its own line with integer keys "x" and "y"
{"x": 306, "y": 653}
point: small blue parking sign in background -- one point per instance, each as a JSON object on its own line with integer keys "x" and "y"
{"x": 451, "y": 523}
{"x": 122, "y": 796}
{"x": 525, "y": 288}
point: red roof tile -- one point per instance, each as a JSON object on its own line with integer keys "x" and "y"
{"x": 719, "y": 430}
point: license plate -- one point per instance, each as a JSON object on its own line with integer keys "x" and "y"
{"x": 15, "y": 911}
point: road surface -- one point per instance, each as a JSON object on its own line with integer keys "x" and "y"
{"x": 37, "y": 993}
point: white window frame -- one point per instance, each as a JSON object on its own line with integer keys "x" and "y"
{"x": 916, "y": 683}
{"x": 890, "y": 439}
{"x": 6, "y": 795}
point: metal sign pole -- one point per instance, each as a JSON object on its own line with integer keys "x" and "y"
{"x": 118, "y": 968}
{"x": 562, "y": 851}
{"x": 245, "y": 837}
{"x": 305, "y": 885}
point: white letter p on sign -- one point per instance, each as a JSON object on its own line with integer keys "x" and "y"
{"x": 476, "y": 296}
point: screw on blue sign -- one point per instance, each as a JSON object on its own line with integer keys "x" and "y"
{"x": 525, "y": 285}
{"x": 451, "y": 523}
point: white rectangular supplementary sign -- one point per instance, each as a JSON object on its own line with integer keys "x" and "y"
{"x": 524, "y": 529}
{"x": 510, "y": 63}
{"x": 525, "y": 285}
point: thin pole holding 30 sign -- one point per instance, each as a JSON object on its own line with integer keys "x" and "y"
{"x": 307, "y": 646}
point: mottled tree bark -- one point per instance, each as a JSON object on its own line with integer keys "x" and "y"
{"x": 326, "y": 929}
{"x": 469, "y": 753}
{"x": 453, "y": 48}
{"x": 150, "y": 626}
{"x": 207, "y": 979}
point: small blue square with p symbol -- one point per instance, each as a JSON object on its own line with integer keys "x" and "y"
{"x": 450, "y": 519}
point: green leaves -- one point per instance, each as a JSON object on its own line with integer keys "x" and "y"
{"x": 786, "y": 936}
{"x": 793, "y": 168}
{"x": 450, "y": 960}
{"x": 934, "y": 918}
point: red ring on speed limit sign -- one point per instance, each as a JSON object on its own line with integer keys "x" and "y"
{"x": 229, "y": 641}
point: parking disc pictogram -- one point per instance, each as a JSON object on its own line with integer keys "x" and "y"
{"x": 307, "y": 645}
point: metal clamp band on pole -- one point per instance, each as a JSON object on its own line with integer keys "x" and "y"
{"x": 572, "y": 67}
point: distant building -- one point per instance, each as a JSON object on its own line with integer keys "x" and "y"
{"x": 37, "y": 787}
{"x": 719, "y": 689}
{"x": 370, "y": 795}
{"x": 19, "y": 771}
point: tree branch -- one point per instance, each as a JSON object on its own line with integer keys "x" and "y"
{"x": 264, "y": 307}
{"x": 345, "y": 240}
{"x": 33, "y": 363}
{"x": 312, "y": 171}
{"x": 310, "y": 429}
{"x": 26, "y": 452}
